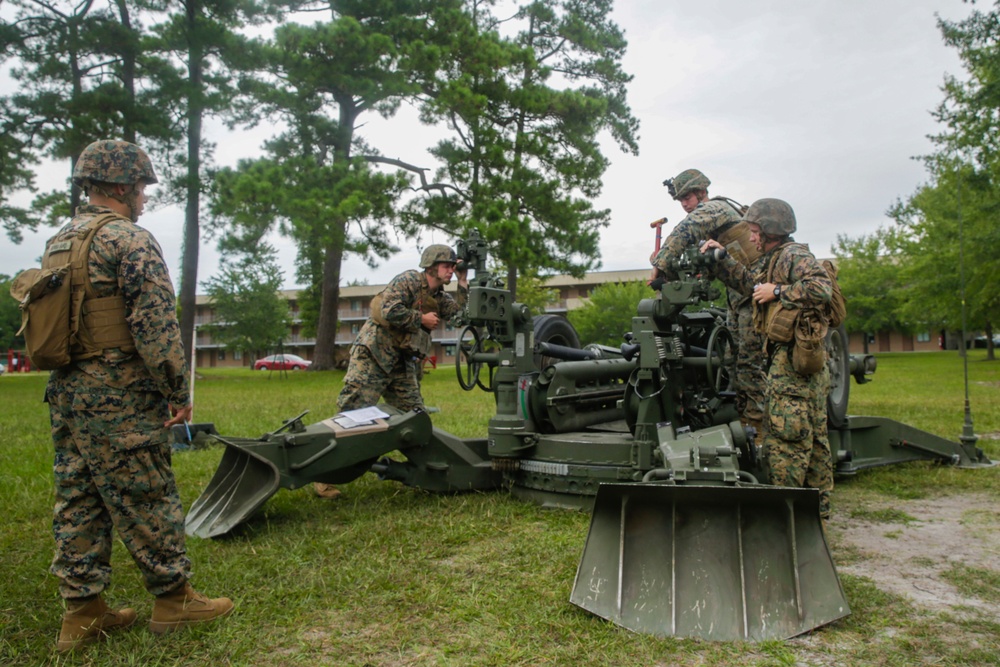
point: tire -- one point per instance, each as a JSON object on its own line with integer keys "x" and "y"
{"x": 262, "y": 368}
{"x": 839, "y": 361}
{"x": 553, "y": 329}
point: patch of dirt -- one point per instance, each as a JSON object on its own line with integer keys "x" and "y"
{"x": 909, "y": 558}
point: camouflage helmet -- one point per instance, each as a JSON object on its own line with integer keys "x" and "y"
{"x": 774, "y": 217}
{"x": 436, "y": 253}
{"x": 686, "y": 182}
{"x": 112, "y": 161}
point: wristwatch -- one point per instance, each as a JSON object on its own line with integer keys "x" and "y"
{"x": 777, "y": 291}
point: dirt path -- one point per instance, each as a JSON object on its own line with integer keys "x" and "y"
{"x": 910, "y": 558}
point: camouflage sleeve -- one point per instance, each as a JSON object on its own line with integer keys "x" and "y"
{"x": 684, "y": 234}
{"x": 449, "y": 306}
{"x": 150, "y": 306}
{"x": 399, "y": 302}
{"x": 805, "y": 284}
{"x": 699, "y": 225}
{"x": 735, "y": 275}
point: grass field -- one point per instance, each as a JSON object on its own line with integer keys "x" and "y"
{"x": 388, "y": 575}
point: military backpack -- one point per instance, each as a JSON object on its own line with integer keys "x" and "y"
{"x": 61, "y": 318}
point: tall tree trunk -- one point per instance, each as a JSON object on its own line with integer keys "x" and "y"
{"x": 328, "y": 322}
{"x": 128, "y": 73}
{"x": 189, "y": 263}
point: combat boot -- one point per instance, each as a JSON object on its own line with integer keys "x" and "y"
{"x": 185, "y": 606}
{"x": 328, "y": 491}
{"x": 88, "y": 620}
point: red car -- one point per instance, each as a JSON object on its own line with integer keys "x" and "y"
{"x": 282, "y": 362}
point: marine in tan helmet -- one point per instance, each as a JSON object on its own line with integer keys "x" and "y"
{"x": 790, "y": 288}
{"x": 719, "y": 219}
{"x": 387, "y": 356}
{"x": 111, "y": 408}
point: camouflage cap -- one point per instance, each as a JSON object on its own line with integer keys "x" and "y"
{"x": 437, "y": 253}
{"x": 774, "y": 217}
{"x": 685, "y": 182}
{"x": 112, "y": 161}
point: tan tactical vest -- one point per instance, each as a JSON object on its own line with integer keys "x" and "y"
{"x": 96, "y": 324}
{"x": 419, "y": 342}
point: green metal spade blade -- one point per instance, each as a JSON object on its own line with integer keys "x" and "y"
{"x": 713, "y": 562}
{"x": 241, "y": 484}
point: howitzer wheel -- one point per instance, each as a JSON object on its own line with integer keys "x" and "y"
{"x": 467, "y": 351}
{"x": 720, "y": 360}
{"x": 839, "y": 362}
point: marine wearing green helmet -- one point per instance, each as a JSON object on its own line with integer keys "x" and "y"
{"x": 437, "y": 253}
{"x": 106, "y": 163}
{"x": 686, "y": 182}
{"x": 774, "y": 217}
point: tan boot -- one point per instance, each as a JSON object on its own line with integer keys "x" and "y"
{"x": 87, "y": 621}
{"x": 328, "y": 491}
{"x": 186, "y": 606}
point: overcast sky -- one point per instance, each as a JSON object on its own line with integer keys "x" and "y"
{"x": 823, "y": 104}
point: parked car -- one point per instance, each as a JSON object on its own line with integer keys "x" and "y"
{"x": 3, "y": 368}
{"x": 282, "y": 362}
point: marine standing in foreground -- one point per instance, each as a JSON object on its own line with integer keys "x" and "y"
{"x": 719, "y": 220}
{"x": 387, "y": 355}
{"x": 789, "y": 278}
{"x": 111, "y": 409}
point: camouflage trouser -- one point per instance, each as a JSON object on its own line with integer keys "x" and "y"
{"x": 796, "y": 446}
{"x": 366, "y": 382}
{"x": 750, "y": 379}
{"x": 112, "y": 470}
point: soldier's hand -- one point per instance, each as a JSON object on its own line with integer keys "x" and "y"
{"x": 180, "y": 414}
{"x": 429, "y": 321}
{"x": 709, "y": 244}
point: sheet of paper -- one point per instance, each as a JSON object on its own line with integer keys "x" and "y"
{"x": 365, "y": 414}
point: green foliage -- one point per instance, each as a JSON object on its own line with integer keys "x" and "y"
{"x": 250, "y": 314}
{"x": 870, "y": 274}
{"x": 10, "y": 318}
{"x": 315, "y": 185}
{"x": 608, "y": 312}
{"x": 942, "y": 246}
{"x": 528, "y": 99}
{"x": 78, "y": 72}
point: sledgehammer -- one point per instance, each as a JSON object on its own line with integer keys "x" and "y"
{"x": 658, "y": 224}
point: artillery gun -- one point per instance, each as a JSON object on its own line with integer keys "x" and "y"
{"x": 684, "y": 539}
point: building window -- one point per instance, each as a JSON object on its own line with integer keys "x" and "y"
{"x": 355, "y": 305}
{"x": 449, "y": 350}
{"x": 924, "y": 337}
{"x": 355, "y": 328}
{"x": 238, "y": 355}
{"x": 221, "y": 355}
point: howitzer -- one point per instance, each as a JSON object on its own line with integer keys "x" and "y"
{"x": 684, "y": 539}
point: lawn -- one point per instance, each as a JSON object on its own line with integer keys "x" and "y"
{"x": 388, "y": 575}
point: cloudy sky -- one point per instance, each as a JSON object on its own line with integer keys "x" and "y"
{"x": 823, "y": 104}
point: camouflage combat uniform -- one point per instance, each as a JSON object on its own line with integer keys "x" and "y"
{"x": 112, "y": 455}
{"x": 384, "y": 360}
{"x": 707, "y": 221}
{"x": 796, "y": 447}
